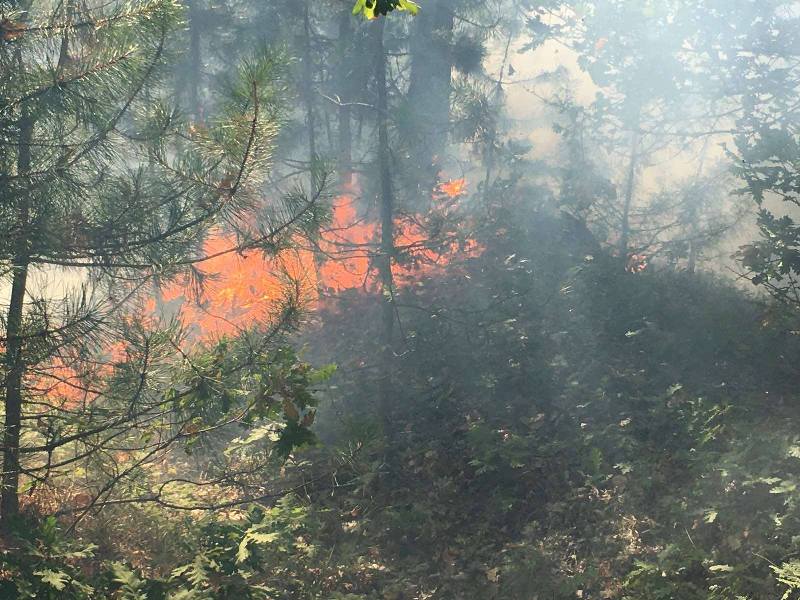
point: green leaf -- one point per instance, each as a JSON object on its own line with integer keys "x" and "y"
{"x": 55, "y": 579}
{"x": 359, "y": 6}
{"x": 768, "y": 480}
{"x": 131, "y": 586}
{"x": 322, "y": 374}
{"x": 784, "y": 487}
{"x": 253, "y": 537}
{"x": 294, "y": 435}
{"x": 721, "y": 568}
{"x": 411, "y": 7}
{"x": 372, "y": 9}
{"x": 674, "y": 389}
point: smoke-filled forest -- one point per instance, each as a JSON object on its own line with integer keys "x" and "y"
{"x": 394, "y": 300}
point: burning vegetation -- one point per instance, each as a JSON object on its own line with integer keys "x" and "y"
{"x": 399, "y": 301}
{"x": 247, "y": 287}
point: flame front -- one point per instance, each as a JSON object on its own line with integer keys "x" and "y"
{"x": 248, "y": 287}
{"x": 245, "y": 288}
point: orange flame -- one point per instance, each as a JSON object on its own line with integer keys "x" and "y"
{"x": 351, "y": 243}
{"x": 347, "y": 247}
{"x": 245, "y": 288}
{"x": 249, "y": 286}
{"x": 453, "y": 188}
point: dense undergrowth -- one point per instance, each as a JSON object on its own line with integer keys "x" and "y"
{"x": 561, "y": 428}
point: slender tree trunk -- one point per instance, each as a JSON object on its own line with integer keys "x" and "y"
{"x": 345, "y": 154}
{"x": 14, "y": 359}
{"x": 487, "y": 178}
{"x": 430, "y": 86}
{"x": 195, "y": 60}
{"x": 694, "y": 249}
{"x": 308, "y": 85}
{"x": 387, "y": 231}
{"x": 491, "y": 137}
{"x": 630, "y": 186}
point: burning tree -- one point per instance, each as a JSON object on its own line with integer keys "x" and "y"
{"x": 109, "y": 188}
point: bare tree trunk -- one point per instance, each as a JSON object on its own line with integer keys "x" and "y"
{"x": 14, "y": 359}
{"x": 387, "y": 231}
{"x": 345, "y": 154}
{"x": 195, "y": 60}
{"x": 430, "y": 86}
{"x": 694, "y": 249}
{"x": 308, "y": 87}
{"x": 630, "y": 186}
{"x": 491, "y": 137}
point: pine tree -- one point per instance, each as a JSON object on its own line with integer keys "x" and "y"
{"x": 102, "y": 179}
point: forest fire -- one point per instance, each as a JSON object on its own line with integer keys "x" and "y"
{"x": 68, "y": 381}
{"x": 243, "y": 289}
{"x": 299, "y": 302}
{"x": 247, "y": 287}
